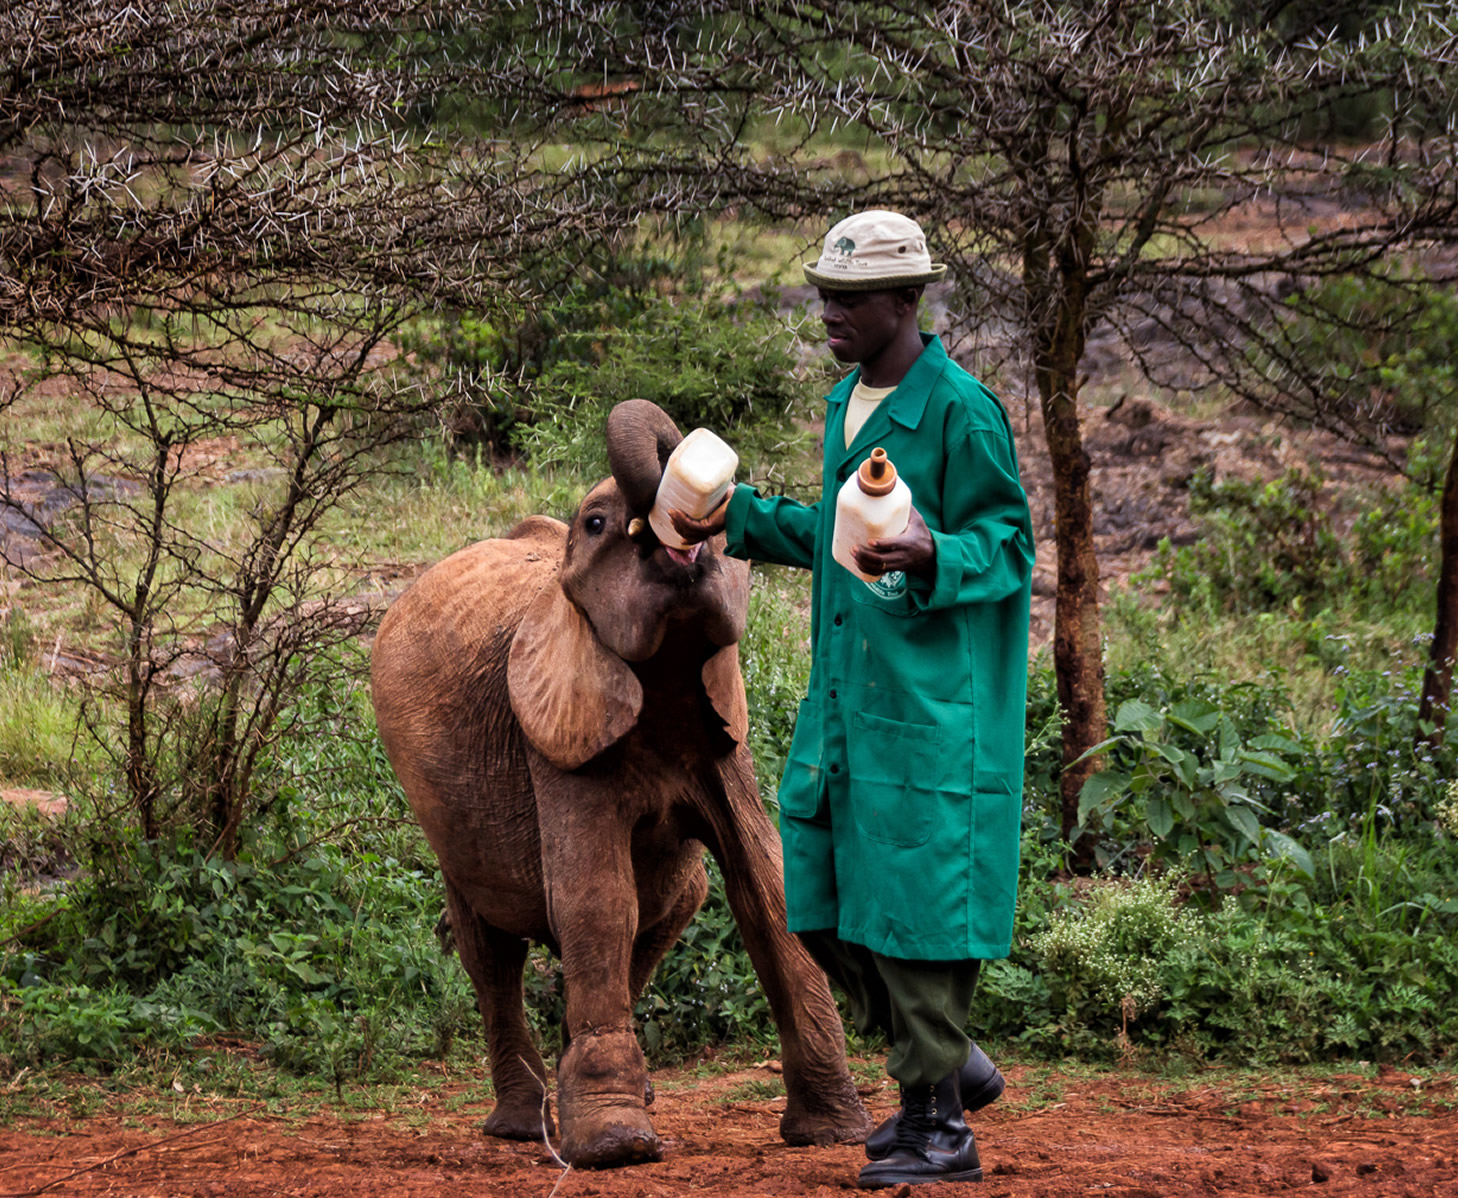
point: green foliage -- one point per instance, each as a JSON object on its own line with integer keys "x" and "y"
{"x": 1381, "y": 350}
{"x": 1282, "y": 546}
{"x": 635, "y": 319}
{"x": 316, "y": 941}
{"x": 1110, "y": 950}
{"x": 1263, "y": 545}
{"x": 775, "y": 660}
{"x": 315, "y": 955}
{"x": 1194, "y": 785}
{"x": 705, "y": 363}
{"x": 1373, "y": 767}
{"x": 1356, "y": 961}
{"x": 706, "y": 990}
{"x": 1340, "y": 951}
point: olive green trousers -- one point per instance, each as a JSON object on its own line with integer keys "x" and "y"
{"x": 921, "y": 1007}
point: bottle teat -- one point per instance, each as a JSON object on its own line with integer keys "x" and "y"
{"x": 877, "y": 475}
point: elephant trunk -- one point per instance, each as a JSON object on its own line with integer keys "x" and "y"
{"x": 640, "y": 436}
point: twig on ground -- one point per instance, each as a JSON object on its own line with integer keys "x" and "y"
{"x": 191, "y": 1131}
{"x": 546, "y": 1141}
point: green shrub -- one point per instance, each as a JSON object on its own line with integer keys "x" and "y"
{"x": 1282, "y": 546}
{"x": 1108, "y": 953}
{"x": 733, "y": 369}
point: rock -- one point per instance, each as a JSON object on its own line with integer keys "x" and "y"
{"x": 1320, "y": 1171}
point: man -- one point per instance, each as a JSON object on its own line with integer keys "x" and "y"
{"x": 902, "y": 796}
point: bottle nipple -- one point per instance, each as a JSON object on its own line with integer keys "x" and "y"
{"x": 877, "y": 475}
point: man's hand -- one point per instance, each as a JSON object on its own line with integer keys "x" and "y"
{"x": 695, "y": 530}
{"x": 913, "y": 552}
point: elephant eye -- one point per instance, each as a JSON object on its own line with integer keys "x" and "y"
{"x": 594, "y": 525}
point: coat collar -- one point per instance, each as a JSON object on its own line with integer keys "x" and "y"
{"x": 905, "y": 405}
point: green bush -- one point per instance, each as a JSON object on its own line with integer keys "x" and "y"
{"x": 733, "y": 369}
{"x": 706, "y": 990}
{"x": 1380, "y": 349}
{"x": 1109, "y": 952}
{"x": 1279, "y": 546}
{"x": 1263, "y": 545}
{"x": 1356, "y": 961}
{"x": 313, "y": 954}
{"x": 643, "y": 317}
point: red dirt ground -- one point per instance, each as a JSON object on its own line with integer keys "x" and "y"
{"x": 1123, "y": 1135}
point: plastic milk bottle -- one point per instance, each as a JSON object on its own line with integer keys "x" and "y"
{"x": 695, "y": 480}
{"x": 873, "y": 503}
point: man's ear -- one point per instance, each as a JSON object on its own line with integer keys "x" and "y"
{"x": 572, "y": 697}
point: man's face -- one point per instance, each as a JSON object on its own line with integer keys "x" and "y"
{"x": 859, "y": 324}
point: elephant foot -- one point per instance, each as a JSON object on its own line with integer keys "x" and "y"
{"x": 829, "y": 1114}
{"x": 520, "y": 1121}
{"x": 601, "y": 1085}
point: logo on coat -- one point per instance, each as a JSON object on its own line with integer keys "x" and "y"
{"x": 891, "y": 585}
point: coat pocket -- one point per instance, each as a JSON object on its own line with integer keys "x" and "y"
{"x": 894, "y": 770}
{"x": 802, "y": 784}
{"x": 889, "y": 595}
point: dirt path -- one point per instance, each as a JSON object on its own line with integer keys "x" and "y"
{"x": 1053, "y": 1136}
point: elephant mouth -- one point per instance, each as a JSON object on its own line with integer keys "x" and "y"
{"x": 684, "y": 557}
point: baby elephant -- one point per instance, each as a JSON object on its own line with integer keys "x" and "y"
{"x": 565, "y": 711}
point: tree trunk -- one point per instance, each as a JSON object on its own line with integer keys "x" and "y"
{"x": 1438, "y": 677}
{"x": 140, "y": 770}
{"x": 1078, "y": 659}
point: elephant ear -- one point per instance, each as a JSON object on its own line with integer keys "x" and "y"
{"x": 725, "y": 687}
{"x": 571, "y": 696}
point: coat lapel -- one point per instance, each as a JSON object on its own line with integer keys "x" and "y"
{"x": 903, "y": 407}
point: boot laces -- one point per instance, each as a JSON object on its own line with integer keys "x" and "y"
{"x": 918, "y": 1119}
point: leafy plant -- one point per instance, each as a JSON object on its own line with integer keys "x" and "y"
{"x": 1192, "y": 787}
{"x": 735, "y": 369}
{"x": 1107, "y": 952}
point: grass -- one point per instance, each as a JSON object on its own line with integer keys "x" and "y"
{"x": 200, "y": 1087}
{"x": 449, "y": 503}
{"x": 754, "y": 1091}
{"x": 40, "y": 742}
{"x": 1309, "y": 653}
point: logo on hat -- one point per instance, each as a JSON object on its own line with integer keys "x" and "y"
{"x": 874, "y": 250}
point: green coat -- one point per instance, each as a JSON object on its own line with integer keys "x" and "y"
{"x": 902, "y": 797}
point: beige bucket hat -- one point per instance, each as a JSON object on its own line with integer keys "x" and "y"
{"x": 874, "y": 251}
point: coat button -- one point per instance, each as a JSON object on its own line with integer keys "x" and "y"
{"x": 832, "y": 693}
{"x": 838, "y": 621}
{"x": 834, "y": 769}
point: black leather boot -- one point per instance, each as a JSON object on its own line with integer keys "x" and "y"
{"x": 933, "y": 1141}
{"x": 980, "y": 1083}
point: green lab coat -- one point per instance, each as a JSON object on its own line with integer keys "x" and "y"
{"x": 902, "y": 797}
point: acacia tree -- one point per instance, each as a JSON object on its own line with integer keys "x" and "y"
{"x": 1370, "y": 359}
{"x": 213, "y": 221}
{"x": 1073, "y": 162}
{"x": 1077, "y": 158}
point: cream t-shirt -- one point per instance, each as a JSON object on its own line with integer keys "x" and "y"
{"x": 862, "y": 403}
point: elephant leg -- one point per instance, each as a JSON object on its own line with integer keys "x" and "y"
{"x": 494, "y": 962}
{"x": 593, "y": 908}
{"x": 655, "y": 940}
{"x": 822, "y": 1107}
